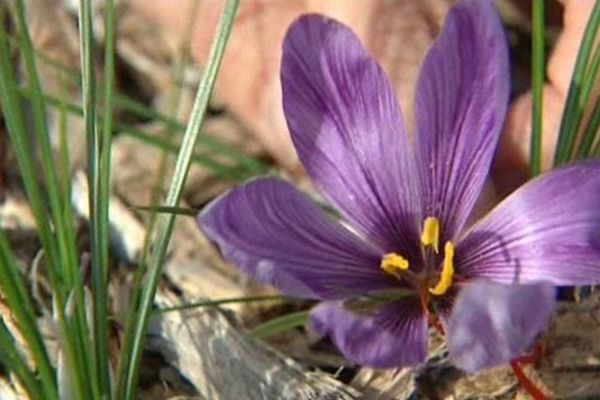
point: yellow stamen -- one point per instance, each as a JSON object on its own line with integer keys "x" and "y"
{"x": 447, "y": 271}
{"x": 431, "y": 233}
{"x": 391, "y": 263}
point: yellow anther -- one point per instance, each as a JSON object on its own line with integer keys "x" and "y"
{"x": 447, "y": 272}
{"x": 431, "y": 233}
{"x": 391, "y": 263}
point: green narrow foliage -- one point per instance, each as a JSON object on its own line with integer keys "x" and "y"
{"x": 98, "y": 170}
{"x": 65, "y": 174}
{"x": 140, "y": 110}
{"x": 220, "y": 302}
{"x": 589, "y": 134}
{"x": 573, "y": 112}
{"x": 593, "y": 126}
{"x": 281, "y": 324}
{"x": 9, "y": 356}
{"x": 235, "y": 172}
{"x": 138, "y": 317}
{"x": 61, "y": 254}
{"x": 67, "y": 265}
{"x": 22, "y": 148}
{"x": 190, "y": 212}
{"x": 216, "y": 167}
{"x": 16, "y": 296}
{"x": 15, "y": 121}
{"x": 537, "y": 79}
{"x": 211, "y": 144}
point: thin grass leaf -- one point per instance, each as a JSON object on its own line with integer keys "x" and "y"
{"x": 62, "y": 260}
{"x": 98, "y": 155}
{"x": 220, "y": 302}
{"x": 594, "y": 126}
{"x": 211, "y": 144}
{"x": 138, "y": 317}
{"x": 537, "y": 79}
{"x": 15, "y": 121}
{"x": 190, "y": 212}
{"x": 26, "y": 161}
{"x": 232, "y": 173}
{"x": 573, "y": 112}
{"x": 66, "y": 266}
{"x": 16, "y": 297}
{"x": 281, "y": 324}
{"x": 216, "y": 167}
{"x": 125, "y": 103}
{"x": 64, "y": 161}
{"x": 173, "y": 102}
{"x": 64, "y": 158}
{"x": 98, "y": 368}
{"x": 589, "y": 134}
{"x": 10, "y": 357}
{"x": 72, "y": 75}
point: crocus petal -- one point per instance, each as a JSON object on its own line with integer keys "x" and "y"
{"x": 493, "y": 323}
{"x": 346, "y": 127}
{"x": 547, "y": 230}
{"x": 394, "y": 337}
{"x": 461, "y": 100}
{"x": 272, "y": 232}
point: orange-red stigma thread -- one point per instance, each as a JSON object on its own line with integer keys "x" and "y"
{"x": 525, "y": 382}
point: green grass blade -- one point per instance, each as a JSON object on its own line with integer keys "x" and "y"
{"x": 63, "y": 263}
{"x": 280, "y": 324}
{"x": 63, "y": 266}
{"x": 537, "y": 79}
{"x": 140, "y": 110}
{"x": 98, "y": 155}
{"x": 233, "y": 173}
{"x": 211, "y": 144}
{"x": 26, "y": 162}
{"x": 190, "y": 212}
{"x": 107, "y": 124}
{"x": 138, "y": 318}
{"x": 96, "y": 369}
{"x": 21, "y": 145}
{"x": 216, "y": 167}
{"x": 16, "y": 296}
{"x": 174, "y": 95}
{"x": 573, "y": 111}
{"x": 64, "y": 160}
{"x": 10, "y": 358}
{"x": 220, "y": 302}
{"x": 593, "y": 126}
{"x": 589, "y": 134}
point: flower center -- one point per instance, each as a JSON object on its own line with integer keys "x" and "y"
{"x": 398, "y": 266}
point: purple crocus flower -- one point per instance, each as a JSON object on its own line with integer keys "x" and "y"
{"x": 404, "y": 258}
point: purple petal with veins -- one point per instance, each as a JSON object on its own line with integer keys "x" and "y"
{"x": 548, "y": 230}
{"x": 461, "y": 99}
{"x": 273, "y": 233}
{"x": 395, "y": 335}
{"x": 345, "y": 124}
